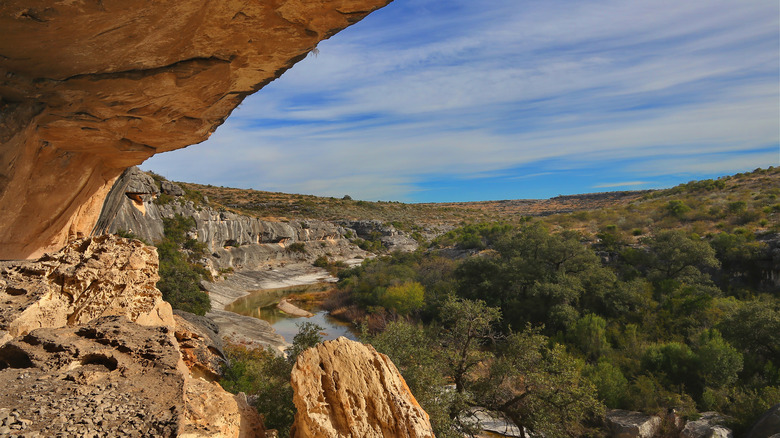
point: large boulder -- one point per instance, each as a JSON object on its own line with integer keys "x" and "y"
{"x": 628, "y": 424}
{"x": 112, "y": 377}
{"x": 90, "y": 349}
{"x": 88, "y": 89}
{"x": 709, "y": 425}
{"x": 346, "y": 389}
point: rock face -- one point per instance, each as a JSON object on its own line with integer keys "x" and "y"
{"x": 627, "y": 424}
{"x": 768, "y": 426}
{"x": 90, "y": 349}
{"x": 88, "y": 89}
{"x": 234, "y": 240}
{"x": 346, "y": 389}
{"x": 388, "y": 235}
{"x": 89, "y": 278}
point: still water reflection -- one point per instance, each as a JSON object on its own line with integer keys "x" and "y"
{"x": 262, "y": 304}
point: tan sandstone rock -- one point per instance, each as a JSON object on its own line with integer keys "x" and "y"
{"x": 112, "y": 377}
{"x": 89, "y": 88}
{"x": 89, "y": 347}
{"x": 92, "y": 277}
{"x": 346, "y": 389}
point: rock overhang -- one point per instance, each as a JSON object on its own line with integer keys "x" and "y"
{"x": 89, "y": 88}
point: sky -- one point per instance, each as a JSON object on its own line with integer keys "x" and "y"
{"x": 454, "y": 100}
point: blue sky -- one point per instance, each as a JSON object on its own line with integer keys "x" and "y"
{"x": 433, "y": 100}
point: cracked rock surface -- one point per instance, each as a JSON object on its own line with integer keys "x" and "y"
{"x": 347, "y": 389}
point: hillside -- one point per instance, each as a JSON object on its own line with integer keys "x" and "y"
{"x": 704, "y": 205}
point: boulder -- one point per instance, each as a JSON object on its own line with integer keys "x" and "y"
{"x": 707, "y": 426}
{"x": 172, "y": 189}
{"x": 768, "y": 426}
{"x": 200, "y": 346}
{"x": 343, "y": 388}
{"x": 628, "y": 424}
{"x": 112, "y": 377}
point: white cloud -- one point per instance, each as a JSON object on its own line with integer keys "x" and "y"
{"x": 469, "y": 88}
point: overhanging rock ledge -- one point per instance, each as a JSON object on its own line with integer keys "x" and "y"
{"x": 89, "y": 88}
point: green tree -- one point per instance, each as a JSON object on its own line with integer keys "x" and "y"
{"x": 308, "y": 336}
{"x": 417, "y": 355}
{"x": 466, "y": 326}
{"x": 609, "y": 381}
{"x": 719, "y": 362}
{"x": 590, "y": 336}
{"x": 264, "y": 374}
{"x": 540, "y": 388}
{"x": 674, "y": 256}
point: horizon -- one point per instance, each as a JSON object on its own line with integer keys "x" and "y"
{"x": 424, "y": 101}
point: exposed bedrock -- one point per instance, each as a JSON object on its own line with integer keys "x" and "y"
{"x": 89, "y": 88}
{"x": 233, "y": 240}
{"x": 88, "y": 348}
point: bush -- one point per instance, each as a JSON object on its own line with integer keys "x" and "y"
{"x": 404, "y": 298}
{"x": 179, "y": 276}
{"x": 298, "y": 247}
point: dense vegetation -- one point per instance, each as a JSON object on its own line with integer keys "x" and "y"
{"x": 180, "y": 274}
{"x": 645, "y": 310}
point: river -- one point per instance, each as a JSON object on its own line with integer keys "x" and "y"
{"x": 262, "y": 304}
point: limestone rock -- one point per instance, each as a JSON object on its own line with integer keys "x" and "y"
{"x": 768, "y": 426}
{"x": 112, "y": 377}
{"x": 627, "y": 424}
{"x": 233, "y": 240}
{"x": 88, "y": 89}
{"x": 210, "y": 411}
{"x": 200, "y": 346}
{"x": 89, "y": 278}
{"x": 292, "y": 310}
{"x": 172, "y": 189}
{"x": 346, "y": 389}
{"x": 707, "y": 426}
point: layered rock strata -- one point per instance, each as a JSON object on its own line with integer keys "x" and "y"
{"x": 88, "y": 89}
{"x": 346, "y": 389}
{"x": 233, "y": 240}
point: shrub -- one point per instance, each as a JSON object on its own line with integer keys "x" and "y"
{"x": 298, "y": 247}
{"x": 403, "y": 298}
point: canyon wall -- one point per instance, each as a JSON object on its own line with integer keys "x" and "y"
{"x": 89, "y": 88}
{"x": 138, "y": 204}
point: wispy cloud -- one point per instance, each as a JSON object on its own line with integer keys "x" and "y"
{"x": 426, "y": 88}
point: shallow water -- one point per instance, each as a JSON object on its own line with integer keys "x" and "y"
{"x": 262, "y": 304}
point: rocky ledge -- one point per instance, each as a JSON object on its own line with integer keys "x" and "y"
{"x": 90, "y": 349}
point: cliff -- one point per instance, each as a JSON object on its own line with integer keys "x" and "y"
{"x": 138, "y": 204}
{"x": 88, "y": 89}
